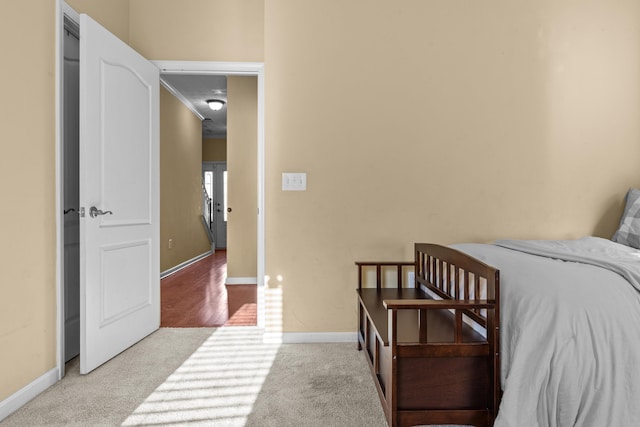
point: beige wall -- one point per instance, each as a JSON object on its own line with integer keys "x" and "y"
{"x": 180, "y": 183}
{"x": 27, "y": 186}
{"x": 198, "y": 30}
{"x": 113, "y": 15}
{"x": 502, "y": 119}
{"x": 214, "y": 150}
{"x": 242, "y": 119}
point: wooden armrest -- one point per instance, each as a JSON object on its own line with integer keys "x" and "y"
{"x": 422, "y": 304}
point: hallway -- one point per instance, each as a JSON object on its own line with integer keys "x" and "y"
{"x": 196, "y": 296}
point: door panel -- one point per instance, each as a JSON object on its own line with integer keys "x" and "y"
{"x": 220, "y": 205}
{"x": 132, "y": 206}
{"x": 119, "y": 176}
{"x": 125, "y": 264}
{"x": 215, "y": 182}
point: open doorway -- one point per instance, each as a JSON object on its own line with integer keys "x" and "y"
{"x": 65, "y": 305}
{"x": 228, "y": 145}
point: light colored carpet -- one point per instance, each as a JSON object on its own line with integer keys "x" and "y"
{"x": 213, "y": 377}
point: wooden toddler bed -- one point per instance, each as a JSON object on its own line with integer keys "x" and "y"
{"x": 433, "y": 347}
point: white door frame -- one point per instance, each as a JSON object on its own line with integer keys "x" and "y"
{"x": 62, "y": 10}
{"x": 166, "y": 67}
{"x": 238, "y": 69}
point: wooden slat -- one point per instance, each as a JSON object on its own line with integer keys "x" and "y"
{"x": 454, "y": 282}
{"x": 423, "y": 327}
{"x": 467, "y": 289}
{"x": 458, "y": 326}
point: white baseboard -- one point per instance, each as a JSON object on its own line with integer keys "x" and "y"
{"x": 310, "y": 337}
{"x": 14, "y": 402}
{"x": 187, "y": 263}
{"x": 241, "y": 281}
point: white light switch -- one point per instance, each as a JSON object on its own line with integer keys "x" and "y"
{"x": 294, "y": 181}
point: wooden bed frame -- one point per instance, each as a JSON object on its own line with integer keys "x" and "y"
{"x": 432, "y": 346}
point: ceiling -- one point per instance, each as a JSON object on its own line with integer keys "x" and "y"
{"x": 194, "y": 90}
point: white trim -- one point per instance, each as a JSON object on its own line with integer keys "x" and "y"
{"x": 58, "y": 183}
{"x": 271, "y": 337}
{"x": 70, "y": 12}
{"x": 211, "y": 67}
{"x": 182, "y": 99}
{"x": 241, "y": 281}
{"x": 239, "y": 69}
{"x": 211, "y": 163}
{"x": 14, "y": 402}
{"x": 62, "y": 10}
{"x": 185, "y": 264}
{"x": 318, "y": 337}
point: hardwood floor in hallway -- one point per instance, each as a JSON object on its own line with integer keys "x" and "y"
{"x": 196, "y": 296}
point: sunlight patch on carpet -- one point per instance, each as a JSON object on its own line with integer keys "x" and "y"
{"x": 217, "y": 385}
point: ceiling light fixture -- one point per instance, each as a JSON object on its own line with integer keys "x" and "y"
{"x": 215, "y": 104}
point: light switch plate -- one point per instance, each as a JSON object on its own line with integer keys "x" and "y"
{"x": 294, "y": 181}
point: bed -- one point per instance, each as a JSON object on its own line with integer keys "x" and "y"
{"x": 566, "y": 348}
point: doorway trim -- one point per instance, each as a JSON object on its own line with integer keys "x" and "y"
{"x": 238, "y": 69}
{"x": 62, "y": 10}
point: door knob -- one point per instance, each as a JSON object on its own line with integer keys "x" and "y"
{"x": 228, "y": 209}
{"x": 94, "y": 212}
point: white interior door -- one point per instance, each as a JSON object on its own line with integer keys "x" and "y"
{"x": 214, "y": 178}
{"x": 222, "y": 208}
{"x": 119, "y": 182}
{"x": 220, "y": 205}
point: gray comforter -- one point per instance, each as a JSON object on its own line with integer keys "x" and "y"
{"x": 570, "y": 331}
